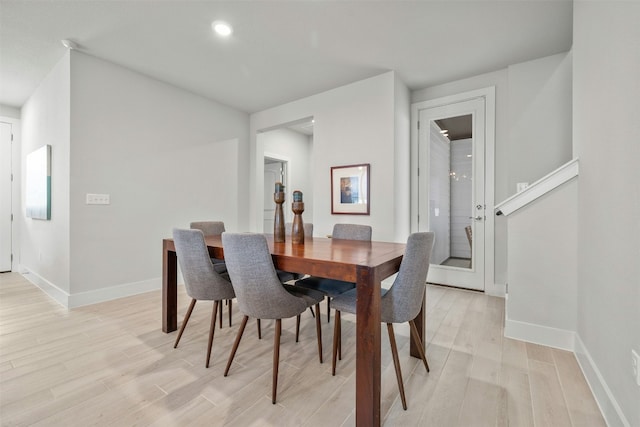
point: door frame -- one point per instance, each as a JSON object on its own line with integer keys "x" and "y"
{"x": 489, "y": 95}
{"x": 257, "y": 154}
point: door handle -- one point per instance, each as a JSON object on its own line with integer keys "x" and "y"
{"x": 477, "y": 218}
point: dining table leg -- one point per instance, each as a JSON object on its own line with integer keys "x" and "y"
{"x": 169, "y": 289}
{"x": 367, "y": 347}
{"x": 419, "y": 321}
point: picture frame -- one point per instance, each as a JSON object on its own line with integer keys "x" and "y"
{"x": 350, "y": 189}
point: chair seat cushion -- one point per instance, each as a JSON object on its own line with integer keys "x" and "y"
{"x": 285, "y": 276}
{"x": 310, "y": 296}
{"x": 346, "y": 302}
{"x": 219, "y": 267}
{"x": 328, "y": 287}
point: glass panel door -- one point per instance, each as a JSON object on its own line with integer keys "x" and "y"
{"x": 451, "y": 191}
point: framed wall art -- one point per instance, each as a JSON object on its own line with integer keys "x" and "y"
{"x": 38, "y": 183}
{"x": 350, "y": 189}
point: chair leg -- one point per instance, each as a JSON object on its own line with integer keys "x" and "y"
{"x": 340, "y": 340}
{"x": 319, "y": 333}
{"x": 396, "y": 364}
{"x": 259, "y": 329}
{"x": 220, "y": 316}
{"x": 328, "y": 309}
{"x": 236, "y": 344}
{"x": 297, "y": 327}
{"x": 230, "y": 302}
{"x": 212, "y": 330}
{"x": 336, "y": 338}
{"x": 312, "y": 313}
{"x": 184, "y": 322}
{"x": 418, "y": 342}
{"x": 276, "y": 359}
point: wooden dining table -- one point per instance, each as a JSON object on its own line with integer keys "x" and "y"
{"x": 362, "y": 262}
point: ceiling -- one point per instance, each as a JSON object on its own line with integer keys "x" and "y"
{"x": 280, "y": 51}
{"x": 459, "y": 127}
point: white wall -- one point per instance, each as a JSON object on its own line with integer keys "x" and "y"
{"x": 165, "y": 156}
{"x": 44, "y": 245}
{"x": 402, "y": 151}
{"x": 9, "y": 112}
{"x": 539, "y": 91}
{"x": 353, "y": 124}
{"x": 539, "y": 118}
{"x": 543, "y": 269}
{"x": 606, "y": 102}
{"x": 298, "y": 149}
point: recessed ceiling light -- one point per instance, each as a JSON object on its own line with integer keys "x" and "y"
{"x": 222, "y": 28}
{"x": 444, "y": 131}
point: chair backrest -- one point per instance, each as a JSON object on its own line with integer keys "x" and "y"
{"x": 209, "y": 228}
{"x": 258, "y": 290}
{"x": 200, "y": 279}
{"x": 403, "y": 300}
{"x": 308, "y": 229}
{"x": 351, "y": 232}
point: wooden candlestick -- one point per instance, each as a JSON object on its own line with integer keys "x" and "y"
{"x": 297, "y": 230}
{"x": 278, "y": 221}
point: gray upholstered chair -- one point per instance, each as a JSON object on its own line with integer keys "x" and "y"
{"x": 209, "y": 228}
{"x": 331, "y": 287}
{"x": 214, "y": 228}
{"x": 307, "y": 226}
{"x": 261, "y": 295}
{"x": 401, "y": 303}
{"x": 201, "y": 280}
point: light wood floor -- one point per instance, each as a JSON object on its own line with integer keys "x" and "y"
{"x": 110, "y": 364}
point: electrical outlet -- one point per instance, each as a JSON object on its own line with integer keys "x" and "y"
{"x": 635, "y": 359}
{"x": 98, "y": 199}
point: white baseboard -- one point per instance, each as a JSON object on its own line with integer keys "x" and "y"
{"x": 538, "y": 334}
{"x": 609, "y": 407}
{"x": 46, "y": 286}
{"x": 496, "y": 290}
{"x": 113, "y": 292}
{"x": 90, "y": 297}
{"x": 569, "y": 340}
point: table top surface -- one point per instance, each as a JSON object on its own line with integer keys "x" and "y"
{"x": 321, "y": 256}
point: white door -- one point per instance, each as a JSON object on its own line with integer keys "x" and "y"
{"x": 274, "y": 171}
{"x": 451, "y": 191}
{"x": 5, "y": 196}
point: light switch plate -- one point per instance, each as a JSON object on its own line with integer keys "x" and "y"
{"x": 98, "y": 199}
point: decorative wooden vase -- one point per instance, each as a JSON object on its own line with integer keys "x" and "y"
{"x": 278, "y": 221}
{"x": 297, "y": 231}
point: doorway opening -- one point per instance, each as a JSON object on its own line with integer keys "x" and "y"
{"x": 451, "y": 190}
{"x": 287, "y": 152}
{"x": 452, "y": 185}
{"x": 275, "y": 171}
{"x": 6, "y": 196}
